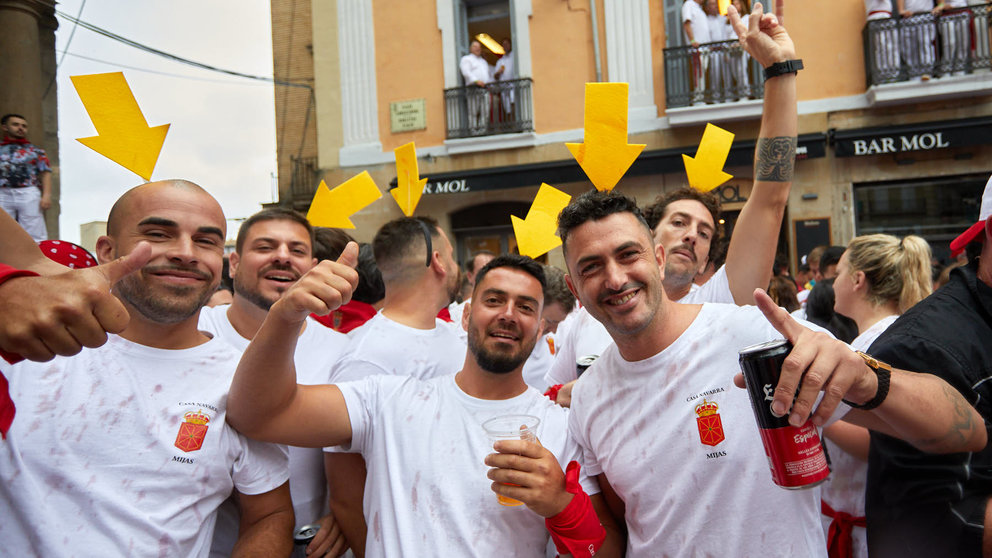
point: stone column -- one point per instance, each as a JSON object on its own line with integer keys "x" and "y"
{"x": 359, "y": 100}
{"x": 27, "y": 31}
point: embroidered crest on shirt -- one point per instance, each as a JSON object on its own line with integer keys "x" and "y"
{"x": 192, "y": 431}
{"x": 709, "y": 423}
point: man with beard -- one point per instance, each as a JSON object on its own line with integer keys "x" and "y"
{"x": 404, "y": 339}
{"x": 428, "y": 494}
{"x": 685, "y": 221}
{"x": 273, "y": 249}
{"x": 126, "y": 447}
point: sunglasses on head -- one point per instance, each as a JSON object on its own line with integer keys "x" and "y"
{"x": 427, "y": 239}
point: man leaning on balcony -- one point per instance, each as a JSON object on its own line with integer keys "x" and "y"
{"x": 477, "y": 74}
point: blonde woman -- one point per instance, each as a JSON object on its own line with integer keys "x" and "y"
{"x": 878, "y": 278}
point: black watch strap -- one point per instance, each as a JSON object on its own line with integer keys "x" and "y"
{"x": 786, "y": 67}
{"x": 884, "y": 373}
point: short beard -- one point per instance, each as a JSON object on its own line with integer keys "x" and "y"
{"x": 156, "y": 309}
{"x": 492, "y": 362}
{"x": 252, "y": 296}
{"x": 677, "y": 280}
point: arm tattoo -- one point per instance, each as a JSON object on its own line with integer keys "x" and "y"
{"x": 962, "y": 426}
{"x": 775, "y": 159}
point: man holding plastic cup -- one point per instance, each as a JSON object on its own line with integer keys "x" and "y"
{"x": 424, "y": 441}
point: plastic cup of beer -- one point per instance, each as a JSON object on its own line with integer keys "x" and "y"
{"x": 511, "y": 427}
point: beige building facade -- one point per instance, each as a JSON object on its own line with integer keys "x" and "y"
{"x": 880, "y": 149}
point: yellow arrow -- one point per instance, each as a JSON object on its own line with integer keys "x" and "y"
{"x": 123, "y": 134}
{"x": 705, "y": 171}
{"x": 536, "y": 234}
{"x": 333, "y": 208}
{"x": 605, "y": 156}
{"x": 409, "y": 185}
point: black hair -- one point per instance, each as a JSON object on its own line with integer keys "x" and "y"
{"x": 370, "y": 287}
{"x": 328, "y": 243}
{"x": 399, "y": 239}
{"x": 514, "y": 261}
{"x": 8, "y": 116}
{"x": 593, "y": 206}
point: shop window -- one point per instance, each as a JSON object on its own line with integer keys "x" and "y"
{"x": 936, "y": 209}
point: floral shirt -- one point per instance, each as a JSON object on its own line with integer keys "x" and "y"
{"x": 20, "y": 164}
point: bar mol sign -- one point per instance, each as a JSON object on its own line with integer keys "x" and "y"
{"x": 896, "y": 144}
{"x": 457, "y": 186}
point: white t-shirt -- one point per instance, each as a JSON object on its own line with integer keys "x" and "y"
{"x": 539, "y": 362}
{"x": 587, "y": 336}
{"x": 918, "y": 5}
{"x": 383, "y": 346}
{"x": 475, "y": 68}
{"x": 107, "y": 455}
{"x": 455, "y": 310}
{"x": 506, "y": 62}
{"x": 694, "y": 14}
{"x": 717, "y": 24}
{"x": 427, "y": 493}
{"x": 845, "y": 488}
{"x": 316, "y": 351}
{"x": 684, "y": 497}
{"x": 880, "y": 6}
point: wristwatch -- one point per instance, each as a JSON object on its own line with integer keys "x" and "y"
{"x": 884, "y": 373}
{"x": 786, "y": 67}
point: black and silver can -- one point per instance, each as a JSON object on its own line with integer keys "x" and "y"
{"x": 583, "y": 363}
{"x": 302, "y": 537}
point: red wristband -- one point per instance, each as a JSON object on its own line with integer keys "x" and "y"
{"x": 7, "y": 272}
{"x": 553, "y": 392}
{"x": 576, "y": 530}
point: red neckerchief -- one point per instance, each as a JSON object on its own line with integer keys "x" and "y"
{"x": 839, "y": 541}
{"x": 6, "y": 140}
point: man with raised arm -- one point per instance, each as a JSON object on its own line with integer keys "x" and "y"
{"x": 427, "y": 492}
{"x": 684, "y": 221}
{"x": 126, "y": 447}
{"x": 685, "y": 490}
{"x": 273, "y": 249}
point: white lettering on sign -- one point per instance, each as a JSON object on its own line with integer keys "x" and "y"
{"x": 916, "y": 142}
{"x": 447, "y": 187}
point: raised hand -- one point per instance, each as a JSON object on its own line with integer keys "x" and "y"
{"x": 764, "y": 37}
{"x": 321, "y": 290}
{"x": 60, "y": 314}
{"x": 817, "y": 363}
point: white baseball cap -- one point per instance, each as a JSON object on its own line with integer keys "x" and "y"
{"x": 958, "y": 244}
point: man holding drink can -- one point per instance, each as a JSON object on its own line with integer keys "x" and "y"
{"x": 673, "y": 444}
{"x": 424, "y": 440}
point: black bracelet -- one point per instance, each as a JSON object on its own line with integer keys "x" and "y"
{"x": 883, "y": 372}
{"x": 786, "y": 67}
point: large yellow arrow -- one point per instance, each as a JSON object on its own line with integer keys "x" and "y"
{"x": 123, "y": 135}
{"x": 705, "y": 171}
{"x": 333, "y": 208}
{"x": 536, "y": 234}
{"x": 605, "y": 156}
{"x": 409, "y": 185}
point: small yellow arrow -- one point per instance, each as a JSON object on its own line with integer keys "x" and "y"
{"x": 705, "y": 171}
{"x": 605, "y": 156}
{"x": 409, "y": 185}
{"x": 536, "y": 234}
{"x": 123, "y": 134}
{"x": 333, "y": 208}
{"x": 722, "y": 6}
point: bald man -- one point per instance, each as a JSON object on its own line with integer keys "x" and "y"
{"x": 124, "y": 449}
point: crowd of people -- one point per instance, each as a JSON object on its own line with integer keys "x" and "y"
{"x": 342, "y": 386}
{"x": 930, "y": 38}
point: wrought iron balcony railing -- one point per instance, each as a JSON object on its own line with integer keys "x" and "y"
{"x": 501, "y": 107}
{"x": 924, "y": 46}
{"x": 305, "y": 177}
{"x": 719, "y": 72}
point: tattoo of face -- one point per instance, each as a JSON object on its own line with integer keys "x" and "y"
{"x": 775, "y": 159}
